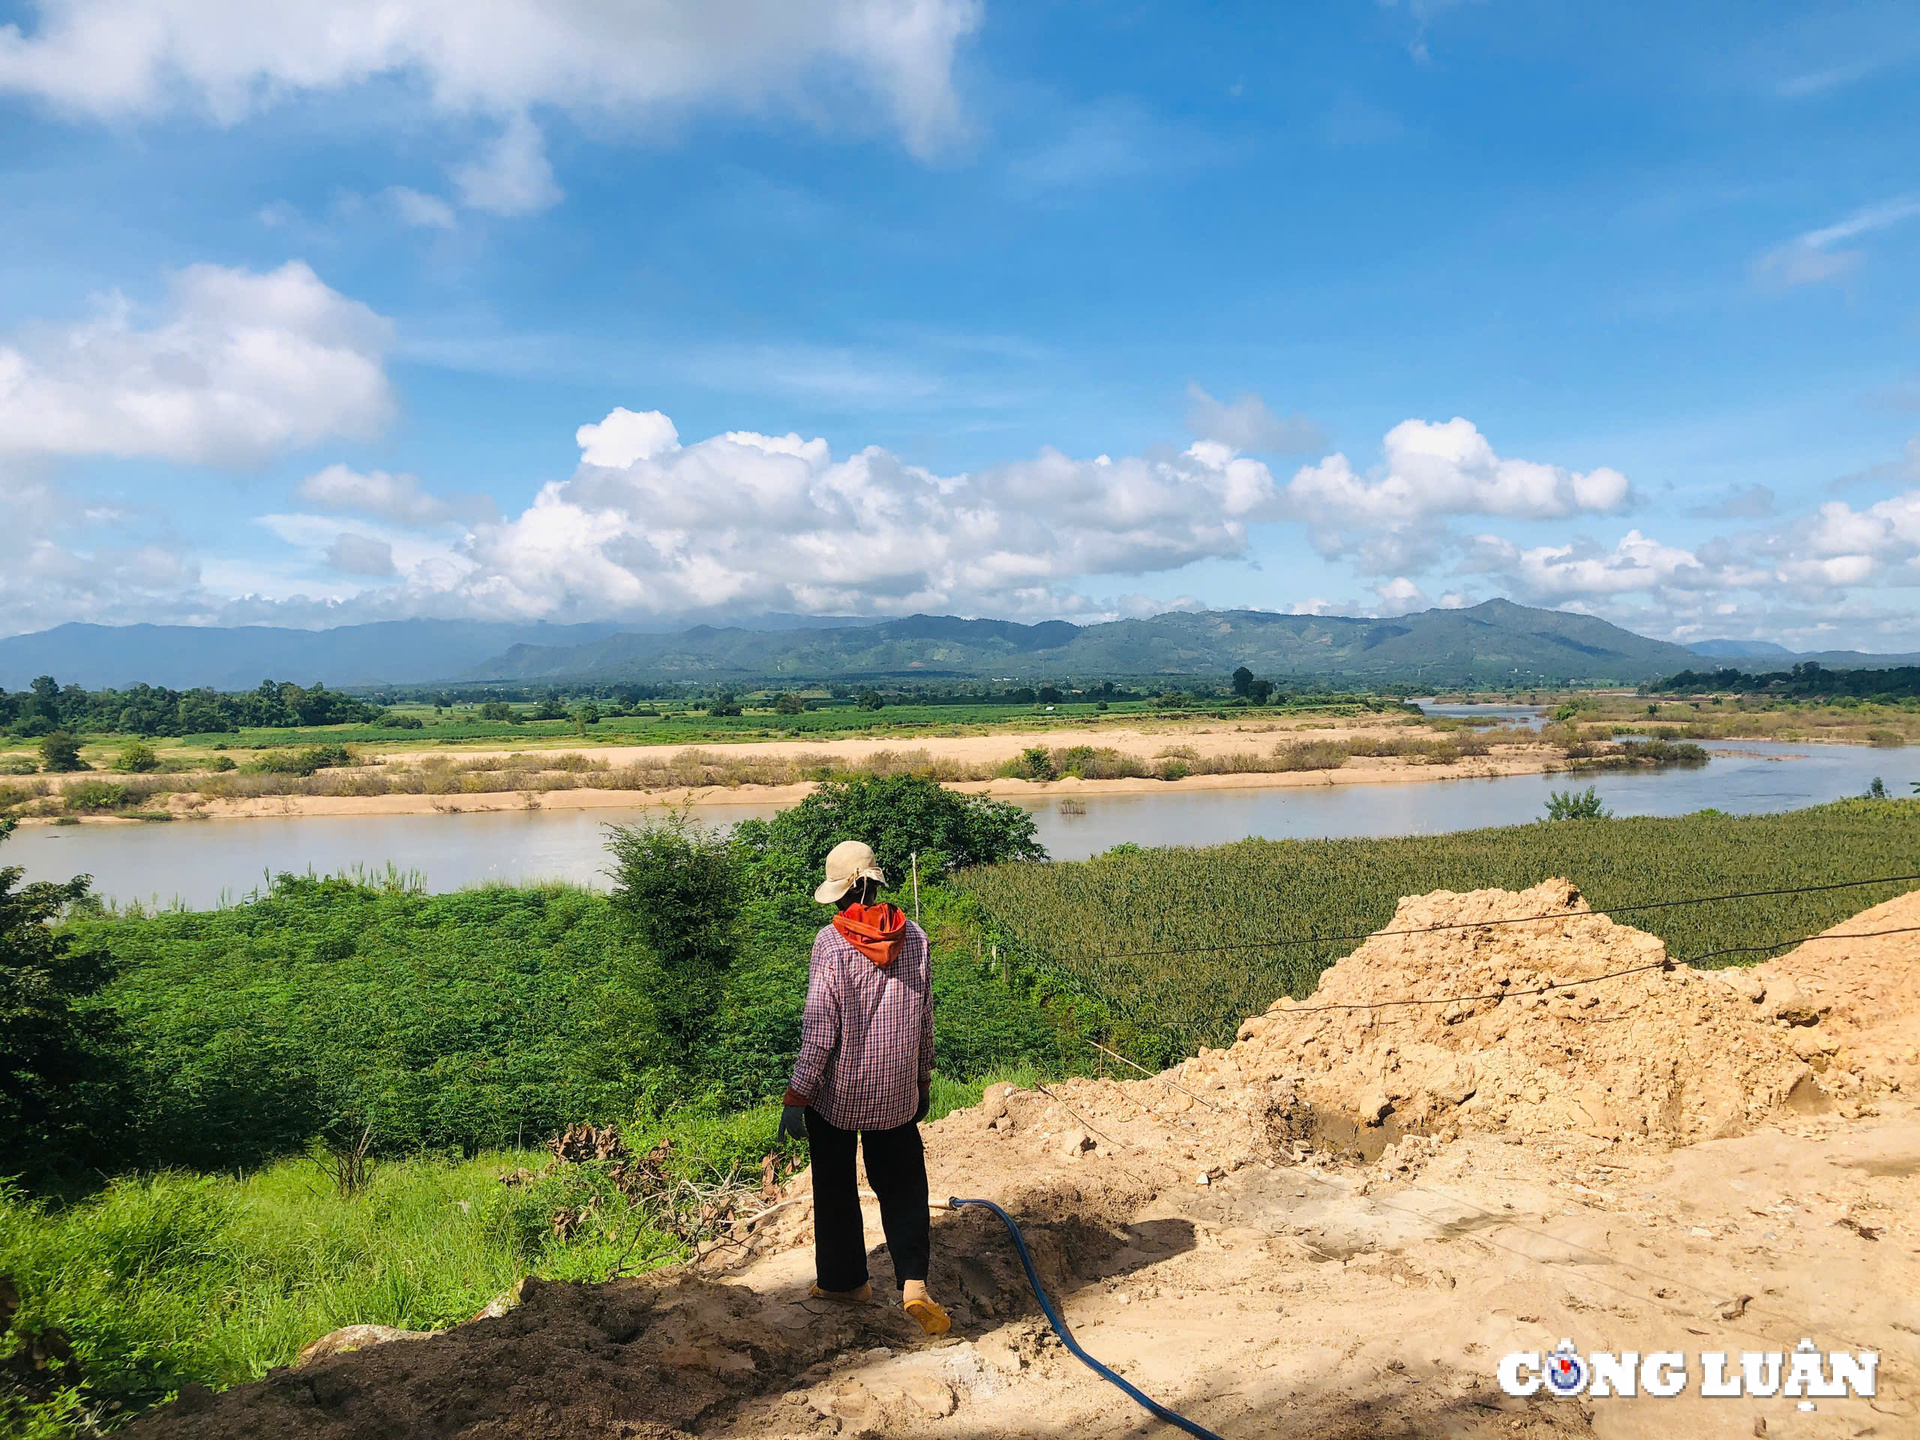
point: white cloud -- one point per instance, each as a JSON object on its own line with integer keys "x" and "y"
{"x": 394, "y": 497}
{"x": 1248, "y": 424}
{"x": 595, "y": 59}
{"x": 626, "y": 436}
{"x": 1811, "y": 258}
{"x": 1557, "y": 573}
{"x": 1390, "y": 517}
{"x": 743, "y": 521}
{"x": 1399, "y": 595}
{"x": 512, "y": 176}
{"x": 241, "y": 365}
{"x": 422, "y": 211}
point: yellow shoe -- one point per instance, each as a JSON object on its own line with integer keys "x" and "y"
{"x": 844, "y": 1297}
{"x": 932, "y": 1318}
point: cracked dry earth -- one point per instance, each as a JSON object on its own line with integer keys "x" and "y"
{"x": 1334, "y": 1228}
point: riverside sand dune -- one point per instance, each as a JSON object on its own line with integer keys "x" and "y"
{"x": 1662, "y": 1160}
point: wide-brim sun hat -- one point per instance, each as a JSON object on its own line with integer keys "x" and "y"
{"x": 848, "y": 863}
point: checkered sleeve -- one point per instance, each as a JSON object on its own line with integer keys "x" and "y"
{"x": 926, "y": 1013}
{"x": 819, "y": 1023}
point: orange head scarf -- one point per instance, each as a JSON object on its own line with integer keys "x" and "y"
{"x": 874, "y": 930}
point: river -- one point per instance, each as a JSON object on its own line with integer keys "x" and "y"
{"x": 203, "y": 863}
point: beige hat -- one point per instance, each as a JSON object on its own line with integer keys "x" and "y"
{"x": 848, "y": 862}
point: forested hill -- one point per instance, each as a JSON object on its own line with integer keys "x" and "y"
{"x": 1497, "y": 643}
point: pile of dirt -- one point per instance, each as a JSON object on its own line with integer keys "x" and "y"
{"x": 1569, "y": 1024}
{"x": 1854, "y": 995}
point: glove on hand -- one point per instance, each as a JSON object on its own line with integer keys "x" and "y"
{"x": 926, "y": 1104}
{"x": 793, "y": 1123}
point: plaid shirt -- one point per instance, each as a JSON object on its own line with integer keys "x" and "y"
{"x": 866, "y": 1039}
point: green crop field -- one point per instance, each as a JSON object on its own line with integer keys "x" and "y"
{"x": 1064, "y": 923}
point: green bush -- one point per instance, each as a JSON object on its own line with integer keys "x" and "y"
{"x": 899, "y": 816}
{"x": 304, "y": 761}
{"x": 677, "y": 885}
{"x": 60, "y": 752}
{"x": 18, "y": 765}
{"x": 1576, "y": 805}
{"x": 787, "y": 703}
{"x": 136, "y": 757}
{"x": 60, "y": 1053}
{"x": 84, "y": 795}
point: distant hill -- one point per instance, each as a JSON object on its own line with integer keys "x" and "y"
{"x": 1740, "y": 649}
{"x": 1780, "y": 657}
{"x": 1497, "y": 643}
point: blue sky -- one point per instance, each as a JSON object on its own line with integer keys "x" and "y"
{"x": 874, "y": 306}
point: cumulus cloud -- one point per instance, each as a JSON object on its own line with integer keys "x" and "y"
{"x": 1247, "y": 424}
{"x": 1429, "y": 470}
{"x": 393, "y": 497}
{"x": 1583, "y": 570}
{"x": 239, "y": 366}
{"x": 596, "y": 59}
{"x": 743, "y": 521}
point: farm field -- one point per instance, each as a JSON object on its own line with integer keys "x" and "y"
{"x": 1074, "y": 926}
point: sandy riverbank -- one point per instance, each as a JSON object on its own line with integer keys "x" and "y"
{"x": 1385, "y": 771}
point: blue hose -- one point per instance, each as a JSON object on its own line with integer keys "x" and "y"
{"x": 1172, "y": 1417}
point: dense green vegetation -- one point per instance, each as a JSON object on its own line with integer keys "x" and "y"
{"x": 239, "y": 1070}
{"x": 1805, "y": 681}
{"x": 48, "y": 706}
{"x": 1208, "y": 917}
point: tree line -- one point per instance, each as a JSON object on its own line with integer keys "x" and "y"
{"x": 47, "y": 706}
{"x": 1806, "y": 680}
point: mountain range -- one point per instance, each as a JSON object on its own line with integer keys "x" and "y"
{"x": 1494, "y": 644}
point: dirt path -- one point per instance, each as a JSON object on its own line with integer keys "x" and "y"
{"x": 1212, "y": 1235}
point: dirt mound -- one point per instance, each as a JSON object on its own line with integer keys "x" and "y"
{"x": 1854, "y": 997}
{"x": 1622, "y": 1046}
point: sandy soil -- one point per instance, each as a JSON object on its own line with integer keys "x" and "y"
{"x": 1147, "y": 742}
{"x": 1212, "y": 1234}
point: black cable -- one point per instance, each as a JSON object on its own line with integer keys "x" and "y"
{"x": 1172, "y": 1417}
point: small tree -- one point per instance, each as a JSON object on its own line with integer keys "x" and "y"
{"x": 1877, "y": 790}
{"x": 59, "y": 1065}
{"x": 1573, "y": 805}
{"x": 60, "y": 752}
{"x": 787, "y": 703}
{"x": 871, "y": 700}
{"x": 1243, "y": 681}
{"x": 725, "y": 703}
{"x": 899, "y": 816}
{"x": 678, "y": 887}
{"x": 1260, "y": 691}
{"x": 136, "y": 758}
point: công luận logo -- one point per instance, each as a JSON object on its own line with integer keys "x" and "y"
{"x": 1805, "y": 1374}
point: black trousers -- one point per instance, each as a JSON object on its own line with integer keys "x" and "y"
{"x": 897, "y": 1171}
